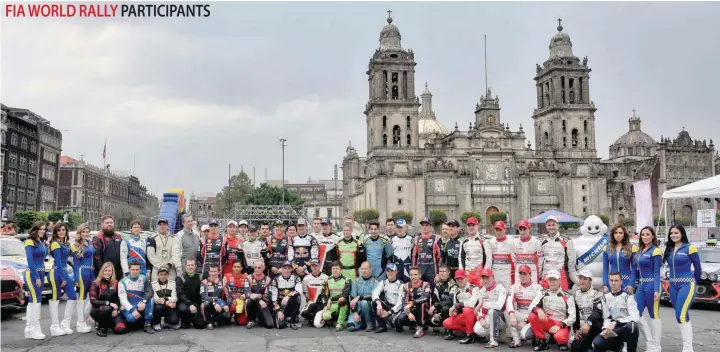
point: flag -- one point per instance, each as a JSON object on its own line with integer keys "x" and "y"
{"x": 104, "y": 149}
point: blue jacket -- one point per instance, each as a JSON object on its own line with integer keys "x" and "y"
{"x": 683, "y": 261}
{"x": 377, "y": 252}
{"x": 617, "y": 261}
{"x": 647, "y": 266}
{"x": 363, "y": 288}
{"x": 60, "y": 253}
{"x": 35, "y": 251}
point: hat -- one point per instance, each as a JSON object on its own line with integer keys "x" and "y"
{"x": 524, "y": 269}
{"x": 553, "y": 274}
{"x": 204, "y": 228}
{"x": 453, "y": 223}
{"x": 325, "y": 221}
{"x": 162, "y": 220}
{"x": 213, "y": 222}
{"x": 314, "y": 262}
{"x": 551, "y": 217}
{"x": 499, "y": 225}
{"x": 163, "y": 268}
{"x": 391, "y": 266}
{"x": 287, "y": 263}
{"x": 232, "y": 222}
{"x": 523, "y": 223}
{"x": 253, "y": 229}
{"x": 586, "y": 273}
{"x": 471, "y": 221}
{"x": 243, "y": 222}
{"x": 460, "y": 274}
{"x": 279, "y": 223}
{"x": 400, "y": 222}
{"x": 301, "y": 222}
{"x": 488, "y": 272}
{"x": 425, "y": 221}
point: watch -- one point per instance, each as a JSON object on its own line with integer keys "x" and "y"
{"x": 107, "y": 303}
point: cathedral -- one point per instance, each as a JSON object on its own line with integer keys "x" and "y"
{"x": 416, "y": 164}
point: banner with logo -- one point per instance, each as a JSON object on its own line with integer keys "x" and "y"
{"x": 706, "y": 218}
{"x": 643, "y": 204}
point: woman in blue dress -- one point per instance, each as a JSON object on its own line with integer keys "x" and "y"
{"x": 648, "y": 261}
{"x": 60, "y": 282}
{"x": 35, "y": 251}
{"x": 82, "y": 253}
{"x": 619, "y": 257}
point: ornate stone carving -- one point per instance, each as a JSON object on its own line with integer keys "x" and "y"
{"x": 439, "y": 164}
{"x": 585, "y": 61}
{"x": 491, "y": 142}
{"x": 491, "y": 172}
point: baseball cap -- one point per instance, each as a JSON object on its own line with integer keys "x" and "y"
{"x": 213, "y": 222}
{"x": 204, "y": 228}
{"x": 488, "y": 272}
{"x": 460, "y": 274}
{"x": 453, "y": 223}
{"x": 287, "y": 263}
{"x": 523, "y": 223}
{"x": 162, "y": 220}
{"x": 253, "y": 229}
{"x": 551, "y": 218}
{"x": 279, "y": 223}
{"x": 499, "y": 225}
{"x": 586, "y": 273}
{"x": 400, "y": 222}
{"x": 232, "y": 222}
{"x": 314, "y": 262}
{"x": 301, "y": 222}
{"x": 425, "y": 221}
{"x": 325, "y": 221}
{"x": 524, "y": 269}
{"x": 471, "y": 221}
{"x": 163, "y": 268}
{"x": 553, "y": 274}
{"x": 391, "y": 266}
{"x": 243, "y": 222}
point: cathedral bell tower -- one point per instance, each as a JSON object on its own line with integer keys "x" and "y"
{"x": 565, "y": 115}
{"x": 392, "y": 107}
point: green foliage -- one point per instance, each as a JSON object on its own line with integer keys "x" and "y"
{"x": 273, "y": 195}
{"x": 25, "y": 219}
{"x": 569, "y": 225}
{"x": 437, "y": 217}
{"x": 605, "y": 219}
{"x": 56, "y": 216}
{"x": 74, "y": 219}
{"x": 402, "y": 214}
{"x": 366, "y": 215}
{"x": 627, "y": 222}
{"x": 470, "y": 214}
{"x": 498, "y": 216}
{"x": 658, "y": 220}
{"x": 238, "y": 191}
{"x": 684, "y": 221}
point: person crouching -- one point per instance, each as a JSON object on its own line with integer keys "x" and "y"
{"x": 215, "y": 309}
{"x": 165, "y": 301}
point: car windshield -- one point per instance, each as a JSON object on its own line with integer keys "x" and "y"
{"x": 709, "y": 256}
{"x": 12, "y": 248}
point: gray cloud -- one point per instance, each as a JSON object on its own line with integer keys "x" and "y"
{"x": 187, "y": 97}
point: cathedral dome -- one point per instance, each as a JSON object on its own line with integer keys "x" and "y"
{"x": 635, "y": 138}
{"x": 633, "y": 143}
{"x": 560, "y": 44}
{"x": 390, "y": 36}
{"x": 431, "y": 126}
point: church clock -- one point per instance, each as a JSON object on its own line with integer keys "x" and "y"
{"x": 491, "y": 119}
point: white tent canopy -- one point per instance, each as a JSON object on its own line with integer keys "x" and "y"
{"x": 707, "y": 188}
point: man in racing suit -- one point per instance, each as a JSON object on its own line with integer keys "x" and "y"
{"x": 450, "y": 251}
{"x": 188, "y": 294}
{"x": 390, "y": 229}
{"x": 133, "y": 248}
{"x": 558, "y": 254}
{"x": 474, "y": 253}
{"x": 361, "y": 300}
{"x": 462, "y": 315}
{"x": 327, "y": 246}
{"x": 278, "y": 247}
{"x": 255, "y": 250}
{"x": 620, "y": 319}
{"x": 338, "y": 289}
{"x": 215, "y": 310}
{"x": 211, "y": 251}
{"x": 303, "y": 248}
{"x": 493, "y": 297}
{"x": 426, "y": 252}
{"x": 414, "y": 304}
{"x": 386, "y": 296}
{"x": 553, "y": 313}
{"x": 350, "y": 253}
{"x": 256, "y": 287}
{"x": 442, "y": 299}
{"x": 377, "y": 250}
{"x": 503, "y": 256}
{"x": 402, "y": 245}
{"x": 234, "y": 289}
{"x": 589, "y": 322}
{"x": 517, "y": 307}
{"x": 136, "y": 299}
{"x": 285, "y": 292}
{"x": 315, "y": 295}
{"x": 232, "y": 247}
{"x": 527, "y": 252}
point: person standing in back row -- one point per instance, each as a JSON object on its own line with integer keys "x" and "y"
{"x": 107, "y": 247}
{"x": 190, "y": 241}
{"x": 164, "y": 250}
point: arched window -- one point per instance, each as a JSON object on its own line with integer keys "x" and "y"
{"x": 564, "y": 142}
{"x": 384, "y": 122}
{"x": 586, "y": 143}
{"x": 574, "y": 135}
{"x": 396, "y": 136}
{"x": 384, "y": 139}
{"x": 395, "y": 92}
{"x": 408, "y": 140}
{"x": 585, "y": 126}
{"x": 564, "y": 125}
{"x": 547, "y": 139}
{"x": 407, "y": 122}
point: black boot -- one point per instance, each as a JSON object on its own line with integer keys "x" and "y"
{"x": 468, "y": 339}
{"x": 542, "y": 345}
{"x": 449, "y": 335}
{"x": 148, "y": 328}
{"x": 102, "y": 332}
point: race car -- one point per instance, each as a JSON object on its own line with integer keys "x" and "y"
{"x": 708, "y": 290}
{"x": 12, "y": 295}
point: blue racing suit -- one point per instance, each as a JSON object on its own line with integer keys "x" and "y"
{"x": 377, "y": 252}
{"x": 35, "y": 252}
{"x": 83, "y": 270}
{"x": 132, "y": 291}
{"x": 134, "y": 249}
{"x": 362, "y": 288}
{"x": 616, "y": 260}
{"x": 685, "y": 271}
{"x": 647, "y": 270}
{"x": 58, "y": 273}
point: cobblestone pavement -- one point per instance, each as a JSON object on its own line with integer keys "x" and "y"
{"x": 706, "y": 325}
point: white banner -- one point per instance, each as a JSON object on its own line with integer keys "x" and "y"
{"x": 706, "y": 218}
{"x": 643, "y": 204}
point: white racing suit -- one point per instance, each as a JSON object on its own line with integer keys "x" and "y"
{"x": 559, "y": 254}
{"x": 315, "y": 295}
{"x": 491, "y": 304}
{"x": 518, "y": 302}
{"x": 528, "y": 251}
{"x": 621, "y": 309}
{"x": 503, "y": 260}
{"x": 253, "y": 251}
{"x": 589, "y": 311}
{"x": 402, "y": 255}
{"x": 474, "y": 255}
{"x": 559, "y": 306}
{"x": 387, "y": 294}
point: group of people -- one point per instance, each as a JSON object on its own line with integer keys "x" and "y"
{"x": 475, "y": 286}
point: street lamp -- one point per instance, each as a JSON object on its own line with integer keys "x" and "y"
{"x": 283, "y": 145}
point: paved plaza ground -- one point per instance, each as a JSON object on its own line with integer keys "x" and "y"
{"x": 706, "y": 325}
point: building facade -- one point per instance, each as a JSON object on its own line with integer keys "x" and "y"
{"x": 21, "y": 167}
{"x": 202, "y": 207}
{"x": 92, "y": 192}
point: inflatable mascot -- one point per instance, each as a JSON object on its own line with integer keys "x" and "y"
{"x": 590, "y": 246}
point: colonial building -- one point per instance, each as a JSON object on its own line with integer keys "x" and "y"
{"x": 202, "y": 207}
{"x": 416, "y": 164}
{"x": 20, "y": 182}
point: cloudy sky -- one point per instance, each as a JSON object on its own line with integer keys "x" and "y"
{"x": 186, "y": 97}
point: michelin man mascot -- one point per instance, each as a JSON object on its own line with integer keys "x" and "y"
{"x": 590, "y": 246}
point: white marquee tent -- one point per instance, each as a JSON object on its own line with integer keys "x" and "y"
{"x": 705, "y": 188}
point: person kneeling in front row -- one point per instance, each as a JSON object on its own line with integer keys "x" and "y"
{"x": 105, "y": 302}
{"x": 620, "y": 319}
{"x": 165, "y": 301}
{"x": 136, "y": 299}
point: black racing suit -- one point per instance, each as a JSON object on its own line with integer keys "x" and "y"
{"x": 442, "y": 300}
{"x": 450, "y": 254}
{"x": 419, "y": 295}
{"x": 277, "y": 251}
{"x": 258, "y": 285}
{"x": 426, "y": 255}
{"x": 188, "y": 294}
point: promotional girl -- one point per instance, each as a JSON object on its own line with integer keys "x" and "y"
{"x": 60, "y": 281}
{"x": 84, "y": 273}
{"x": 619, "y": 257}
{"x": 685, "y": 271}
{"x": 35, "y": 251}
{"x": 106, "y": 303}
{"x": 648, "y": 261}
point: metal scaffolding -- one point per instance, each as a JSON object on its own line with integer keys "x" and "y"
{"x": 268, "y": 213}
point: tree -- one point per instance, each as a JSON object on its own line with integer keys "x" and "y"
{"x": 272, "y": 195}
{"x": 627, "y": 222}
{"x": 684, "y": 221}
{"x": 658, "y": 220}
{"x": 470, "y": 214}
{"x": 74, "y": 219}
{"x": 402, "y": 214}
{"x": 605, "y": 219}
{"x": 363, "y": 217}
{"x": 570, "y": 225}
{"x": 56, "y": 216}
{"x": 437, "y": 218}
{"x": 25, "y": 219}
{"x": 498, "y": 216}
{"x": 238, "y": 191}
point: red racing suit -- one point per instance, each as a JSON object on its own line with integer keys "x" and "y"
{"x": 211, "y": 248}
{"x": 465, "y": 300}
{"x": 231, "y": 251}
{"x": 559, "y": 306}
{"x": 529, "y": 252}
{"x": 503, "y": 261}
{"x": 473, "y": 251}
{"x": 234, "y": 294}
{"x": 518, "y": 303}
